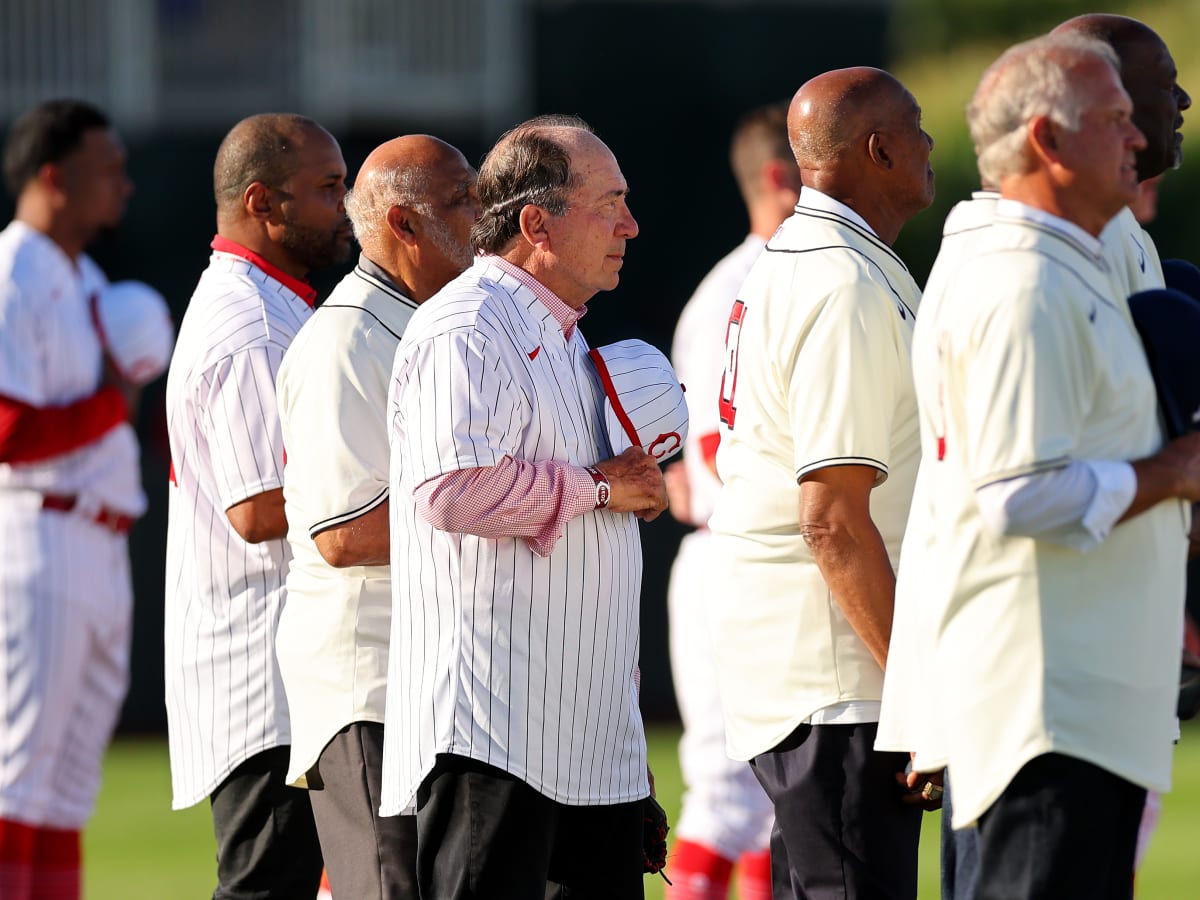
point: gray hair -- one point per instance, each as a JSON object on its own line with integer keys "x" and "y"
{"x": 527, "y": 166}
{"x": 378, "y": 191}
{"x": 1030, "y": 79}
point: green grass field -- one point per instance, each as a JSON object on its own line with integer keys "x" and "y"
{"x": 137, "y": 849}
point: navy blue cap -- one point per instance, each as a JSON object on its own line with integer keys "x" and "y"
{"x": 1169, "y": 322}
{"x": 1182, "y": 276}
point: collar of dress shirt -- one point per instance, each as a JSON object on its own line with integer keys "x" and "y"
{"x": 814, "y": 199}
{"x": 566, "y": 316}
{"x": 301, "y": 289}
{"x": 1015, "y": 209}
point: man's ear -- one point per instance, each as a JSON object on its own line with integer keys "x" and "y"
{"x": 399, "y": 221}
{"x": 534, "y": 221}
{"x": 1043, "y": 139}
{"x": 877, "y": 150}
{"x": 50, "y": 175}
{"x": 258, "y": 202}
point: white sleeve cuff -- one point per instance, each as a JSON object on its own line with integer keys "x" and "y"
{"x": 1076, "y": 505}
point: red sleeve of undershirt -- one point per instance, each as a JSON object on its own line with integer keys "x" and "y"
{"x": 31, "y": 433}
{"x": 708, "y": 446}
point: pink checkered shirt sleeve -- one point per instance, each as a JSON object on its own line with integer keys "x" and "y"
{"x": 512, "y": 499}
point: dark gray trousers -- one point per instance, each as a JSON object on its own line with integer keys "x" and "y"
{"x": 368, "y": 856}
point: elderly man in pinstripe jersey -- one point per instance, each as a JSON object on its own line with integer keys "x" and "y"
{"x": 513, "y": 725}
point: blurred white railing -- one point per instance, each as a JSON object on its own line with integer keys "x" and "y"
{"x": 201, "y": 64}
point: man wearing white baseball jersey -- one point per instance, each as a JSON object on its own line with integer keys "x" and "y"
{"x": 412, "y": 207}
{"x": 1149, "y": 77}
{"x": 726, "y": 818}
{"x": 512, "y": 714}
{"x": 818, "y": 454}
{"x": 279, "y": 182}
{"x": 70, "y": 488}
{"x": 1057, "y": 679}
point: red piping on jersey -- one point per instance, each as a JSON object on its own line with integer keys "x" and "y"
{"x": 609, "y": 389}
{"x": 301, "y": 289}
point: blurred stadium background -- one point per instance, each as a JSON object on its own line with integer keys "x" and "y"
{"x": 663, "y": 82}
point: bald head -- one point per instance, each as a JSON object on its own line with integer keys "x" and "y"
{"x": 831, "y": 111}
{"x": 1149, "y": 75}
{"x": 857, "y": 137}
{"x": 402, "y": 172}
{"x": 264, "y": 148}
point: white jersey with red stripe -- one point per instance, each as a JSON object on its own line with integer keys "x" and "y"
{"x": 724, "y": 807}
{"x": 51, "y": 355}
{"x": 65, "y": 592}
{"x": 521, "y": 661}
{"x": 698, "y": 355}
{"x": 225, "y": 698}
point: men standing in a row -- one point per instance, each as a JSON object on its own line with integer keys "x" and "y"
{"x": 70, "y": 488}
{"x": 726, "y": 817}
{"x": 818, "y": 454}
{"x": 1057, "y": 679}
{"x": 279, "y": 182}
{"x": 412, "y": 206}
{"x": 512, "y": 713}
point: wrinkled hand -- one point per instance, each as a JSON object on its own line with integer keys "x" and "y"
{"x": 923, "y": 789}
{"x": 679, "y": 491}
{"x": 636, "y": 484}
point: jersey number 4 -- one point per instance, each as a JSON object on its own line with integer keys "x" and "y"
{"x": 733, "y": 334}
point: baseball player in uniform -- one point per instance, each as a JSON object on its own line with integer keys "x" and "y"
{"x": 726, "y": 817}
{"x": 70, "y": 488}
{"x": 818, "y": 453}
{"x": 279, "y": 181}
{"x": 412, "y": 207}
{"x": 512, "y": 716}
{"x": 1134, "y": 264}
{"x": 1056, "y": 691}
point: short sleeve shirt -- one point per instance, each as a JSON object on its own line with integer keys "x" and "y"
{"x": 817, "y": 375}
{"x": 524, "y": 662}
{"x": 225, "y": 698}
{"x": 332, "y": 642}
{"x": 1042, "y": 648}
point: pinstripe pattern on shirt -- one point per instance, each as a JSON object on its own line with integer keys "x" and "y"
{"x": 521, "y": 661}
{"x": 225, "y": 699}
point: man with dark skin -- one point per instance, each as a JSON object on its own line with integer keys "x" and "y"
{"x": 412, "y": 206}
{"x": 279, "y": 182}
{"x": 817, "y": 458}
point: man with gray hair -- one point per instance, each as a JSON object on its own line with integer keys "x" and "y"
{"x": 1041, "y": 443}
{"x": 512, "y": 724}
{"x": 412, "y": 208}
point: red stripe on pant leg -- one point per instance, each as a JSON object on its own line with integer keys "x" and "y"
{"x": 56, "y": 864}
{"x": 754, "y": 876}
{"x": 16, "y": 860}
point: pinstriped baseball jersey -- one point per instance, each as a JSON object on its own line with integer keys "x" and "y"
{"x": 65, "y": 592}
{"x": 523, "y": 662}
{"x": 817, "y": 374}
{"x": 225, "y": 699}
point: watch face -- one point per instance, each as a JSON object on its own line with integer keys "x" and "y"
{"x": 602, "y": 492}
